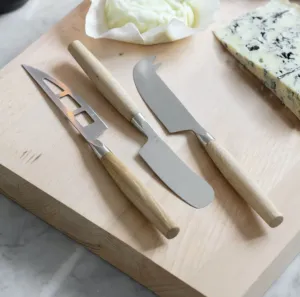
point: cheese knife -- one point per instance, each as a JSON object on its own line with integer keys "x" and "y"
{"x": 175, "y": 117}
{"x": 160, "y": 158}
{"x": 125, "y": 180}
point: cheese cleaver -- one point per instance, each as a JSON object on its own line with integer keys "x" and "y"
{"x": 175, "y": 117}
{"x": 125, "y": 180}
{"x": 190, "y": 187}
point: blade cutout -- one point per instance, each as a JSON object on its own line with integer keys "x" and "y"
{"x": 69, "y": 103}
{"x": 53, "y": 87}
{"x": 84, "y": 119}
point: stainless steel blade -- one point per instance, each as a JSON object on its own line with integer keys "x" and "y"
{"x": 91, "y": 131}
{"x": 175, "y": 117}
{"x": 162, "y": 101}
{"x": 172, "y": 170}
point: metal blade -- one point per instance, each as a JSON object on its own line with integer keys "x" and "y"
{"x": 90, "y": 131}
{"x": 171, "y": 170}
{"x": 161, "y": 100}
{"x": 170, "y": 111}
{"x": 176, "y": 174}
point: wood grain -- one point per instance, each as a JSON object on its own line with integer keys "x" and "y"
{"x": 139, "y": 195}
{"x": 242, "y": 183}
{"x": 224, "y": 249}
{"x": 105, "y": 82}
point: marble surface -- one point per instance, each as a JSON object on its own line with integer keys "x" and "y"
{"x": 37, "y": 260}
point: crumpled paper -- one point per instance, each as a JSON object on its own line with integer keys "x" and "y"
{"x": 96, "y": 27}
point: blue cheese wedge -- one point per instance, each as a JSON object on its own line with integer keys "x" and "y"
{"x": 267, "y": 42}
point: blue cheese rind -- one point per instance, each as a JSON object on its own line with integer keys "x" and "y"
{"x": 267, "y": 42}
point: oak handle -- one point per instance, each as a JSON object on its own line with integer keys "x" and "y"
{"x": 246, "y": 187}
{"x": 103, "y": 79}
{"x": 139, "y": 195}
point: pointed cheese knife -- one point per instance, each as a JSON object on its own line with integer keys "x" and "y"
{"x": 175, "y": 117}
{"x": 126, "y": 181}
{"x": 161, "y": 159}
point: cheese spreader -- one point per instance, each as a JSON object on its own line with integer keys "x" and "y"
{"x": 175, "y": 117}
{"x": 160, "y": 158}
{"x": 125, "y": 180}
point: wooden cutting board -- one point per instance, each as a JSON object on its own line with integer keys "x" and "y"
{"x": 223, "y": 250}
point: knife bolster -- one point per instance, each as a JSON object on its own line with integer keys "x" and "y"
{"x": 138, "y": 121}
{"x": 100, "y": 149}
{"x": 142, "y": 125}
{"x": 205, "y": 138}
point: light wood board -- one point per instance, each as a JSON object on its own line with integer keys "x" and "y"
{"x": 223, "y": 250}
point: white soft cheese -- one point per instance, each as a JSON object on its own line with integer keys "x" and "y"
{"x": 149, "y": 14}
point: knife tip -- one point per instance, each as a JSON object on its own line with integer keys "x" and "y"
{"x": 30, "y": 70}
{"x": 151, "y": 59}
{"x": 26, "y": 67}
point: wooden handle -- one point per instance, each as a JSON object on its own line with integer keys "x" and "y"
{"x": 139, "y": 195}
{"x": 243, "y": 185}
{"x": 103, "y": 80}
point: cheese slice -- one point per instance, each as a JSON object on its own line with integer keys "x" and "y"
{"x": 267, "y": 42}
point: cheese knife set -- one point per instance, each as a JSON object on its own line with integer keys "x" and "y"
{"x": 173, "y": 172}
{"x": 265, "y": 41}
{"x": 255, "y": 39}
